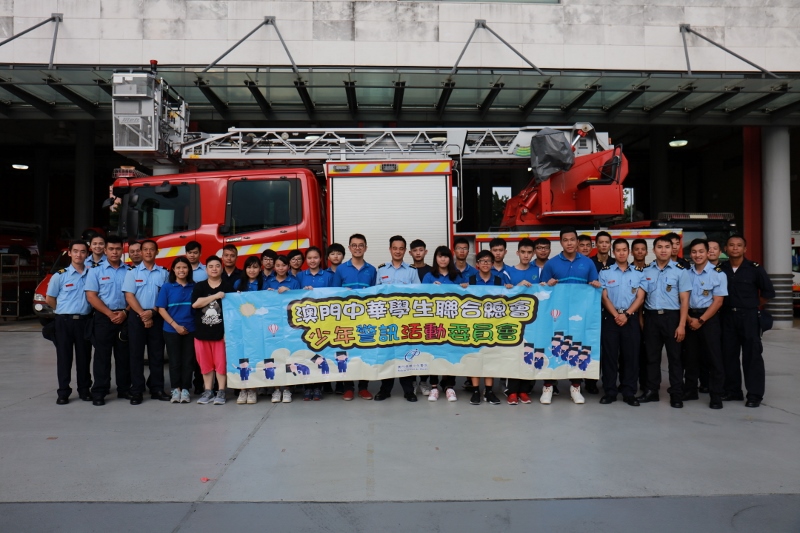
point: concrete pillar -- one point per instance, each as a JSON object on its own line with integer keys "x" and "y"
{"x": 777, "y": 222}
{"x": 41, "y": 197}
{"x": 660, "y": 185}
{"x": 84, "y": 177}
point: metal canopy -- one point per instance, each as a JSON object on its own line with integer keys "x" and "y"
{"x": 419, "y": 95}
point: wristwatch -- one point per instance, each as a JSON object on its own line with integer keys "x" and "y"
{"x": 701, "y": 321}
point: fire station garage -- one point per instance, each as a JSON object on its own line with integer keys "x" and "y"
{"x": 704, "y": 100}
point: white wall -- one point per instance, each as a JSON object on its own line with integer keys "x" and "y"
{"x": 596, "y": 34}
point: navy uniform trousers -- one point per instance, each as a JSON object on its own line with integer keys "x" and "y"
{"x": 704, "y": 349}
{"x": 151, "y": 338}
{"x": 740, "y": 332}
{"x": 659, "y": 331}
{"x": 620, "y": 354}
{"x": 107, "y": 341}
{"x": 71, "y": 331}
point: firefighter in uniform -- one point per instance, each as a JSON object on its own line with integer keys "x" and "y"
{"x": 704, "y": 333}
{"x": 748, "y": 285}
{"x": 104, "y": 293}
{"x": 145, "y": 327}
{"x": 72, "y": 313}
{"x": 622, "y": 297}
{"x": 666, "y": 307}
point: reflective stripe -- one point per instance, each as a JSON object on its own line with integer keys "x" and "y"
{"x": 278, "y": 246}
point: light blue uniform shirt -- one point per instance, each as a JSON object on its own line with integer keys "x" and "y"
{"x": 199, "y": 273}
{"x": 92, "y": 263}
{"x": 107, "y": 282}
{"x": 620, "y": 286}
{"x": 710, "y": 282}
{"x": 405, "y": 274}
{"x": 663, "y": 286}
{"x": 66, "y": 286}
{"x": 145, "y": 284}
{"x": 530, "y": 274}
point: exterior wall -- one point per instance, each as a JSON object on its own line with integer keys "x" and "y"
{"x": 576, "y": 34}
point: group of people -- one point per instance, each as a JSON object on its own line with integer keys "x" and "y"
{"x": 704, "y": 312}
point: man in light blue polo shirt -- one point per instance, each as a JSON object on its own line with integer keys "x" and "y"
{"x": 104, "y": 293}
{"x": 397, "y": 272}
{"x": 666, "y": 308}
{"x": 355, "y": 274}
{"x": 145, "y": 327}
{"x": 703, "y": 354}
{"x": 66, "y": 296}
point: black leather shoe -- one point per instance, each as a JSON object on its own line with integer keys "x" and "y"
{"x": 752, "y": 403}
{"x": 160, "y": 395}
{"x": 715, "y": 403}
{"x": 676, "y": 402}
{"x": 136, "y": 399}
{"x": 86, "y": 397}
{"x": 648, "y": 396}
{"x": 733, "y": 397}
{"x": 124, "y": 395}
{"x": 607, "y": 399}
{"x": 62, "y": 401}
{"x": 591, "y": 388}
{"x": 690, "y": 395}
{"x": 631, "y": 400}
{"x": 381, "y": 396}
{"x": 411, "y": 397}
{"x": 98, "y": 402}
{"x": 703, "y": 389}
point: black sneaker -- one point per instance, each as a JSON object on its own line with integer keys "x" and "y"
{"x": 491, "y": 398}
{"x": 476, "y": 397}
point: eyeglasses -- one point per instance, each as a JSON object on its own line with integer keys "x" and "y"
{"x": 358, "y": 246}
{"x": 542, "y": 248}
{"x": 484, "y": 261}
{"x": 462, "y": 249}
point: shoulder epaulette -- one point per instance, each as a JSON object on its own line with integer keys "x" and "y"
{"x": 756, "y": 264}
{"x": 61, "y": 271}
{"x": 131, "y": 267}
{"x": 638, "y": 269}
{"x": 606, "y": 268}
{"x": 412, "y": 266}
{"x": 717, "y": 268}
{"x": 94, "y": 265}
{"x": 382, "y": 265}
{"x": 680, "y": 266}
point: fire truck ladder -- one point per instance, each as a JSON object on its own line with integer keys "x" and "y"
{"x": 267, "y": 146}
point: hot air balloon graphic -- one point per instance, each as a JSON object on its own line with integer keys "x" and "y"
{"x": 555, "y": 313}
{"x": 272, "y": 328}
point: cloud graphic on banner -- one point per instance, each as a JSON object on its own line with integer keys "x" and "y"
{"x": 576, "y": 318}
{"x": 542, "y": 295}
{"x": 262, "y": 311}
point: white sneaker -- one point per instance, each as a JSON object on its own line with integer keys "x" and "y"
{"x": 252, "y": 397}
{"x": 451, "y": 395}
{"x": 176, "y": 396}
{"x": 433, "y": 395}
{"x": 242, "y": 397}
{"x": 575, "y": 392}
{"x": 547, "y": 395}
{"x": 276, "y": 395}
{"x": 287, "y": 396}
{"x": 185, "y": 396}
{"x": 425, "y": 388}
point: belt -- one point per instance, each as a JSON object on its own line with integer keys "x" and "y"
{"x": 72, "y": 317}
{"x": 698, "y": 310}
{"x": 620, "y": 310}
{"x": 741, "y": 309}
{"x": 660, "y": 311}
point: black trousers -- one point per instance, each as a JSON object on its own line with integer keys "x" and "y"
{"x": 180, "y": 349}
{"x": 515, "y": 386}
{"x": 406, "y": 382}
{"x": 740, "y": 333}
{"x": 349, "y": 385}
{"x": 71, "y": 338}
{"x": 151, "y": 338}
{"x": 704, "y": 345}
{"x": 620, "y": 346}
{"x": 659, "y": 332}
{"x": 107, "y": 341}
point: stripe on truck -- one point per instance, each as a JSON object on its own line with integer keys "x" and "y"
{"x": 279, "y": 246}
{"x": 172, "y": 251}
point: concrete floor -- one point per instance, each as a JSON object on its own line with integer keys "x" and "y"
{"x": 393, "y": 465}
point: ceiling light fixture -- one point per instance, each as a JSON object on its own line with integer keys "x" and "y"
{"x": 19, "y": 167}
{"x": 678, "y": 143}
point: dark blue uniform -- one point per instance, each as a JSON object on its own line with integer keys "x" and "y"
{"x": 108, "y": 337}
{"x": 72, "y": 315}
{"x": 741, "y": 330}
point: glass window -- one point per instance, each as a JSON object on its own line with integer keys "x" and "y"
{"x": 264, "y": 204}
{"x": 162, "y": 213}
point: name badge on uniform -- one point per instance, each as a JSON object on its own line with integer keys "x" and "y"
{"x": 705, "y": 293}
{"x": 633, "y": 290}
{"x": 669, "y": 288}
